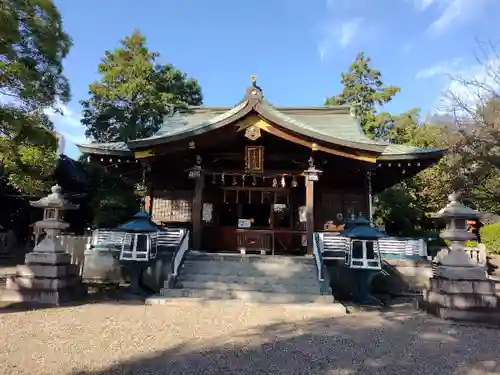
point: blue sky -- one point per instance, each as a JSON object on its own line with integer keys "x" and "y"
{"x": 297, "y": 48}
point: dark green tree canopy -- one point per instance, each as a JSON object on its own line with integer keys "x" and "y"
{"x": 134, "y": 93}
{"x": 364, "y": 90}
{"x": 32, "y": 47}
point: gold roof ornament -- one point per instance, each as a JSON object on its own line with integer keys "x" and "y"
{"x": 254, "y": 79}
{"x": 252, "y": 133}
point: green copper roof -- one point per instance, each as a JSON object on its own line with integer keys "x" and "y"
{"x": 197, "y": 121}
{"x": 333, "y": 125}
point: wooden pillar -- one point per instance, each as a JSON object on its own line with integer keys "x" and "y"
{"x": 197, "y": 210}
{"x": 312, "y": 175}
{"x": 149, "y": 204}
{"x": 310, "y": 215}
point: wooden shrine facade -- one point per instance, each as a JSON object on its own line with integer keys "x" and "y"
{"x": 258, "y": 178}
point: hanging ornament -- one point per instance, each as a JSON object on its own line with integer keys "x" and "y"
{"x": 275, "y": 183}
{"x": 283, "y": 181}
{"x": 294, "y": 181}
{"x": 243, "y": 181}
{"x": 222, "y": 179}
{"x": 254, "y": 180}
{"x": 234, "y": 180}
{"x": 214, "y": 180}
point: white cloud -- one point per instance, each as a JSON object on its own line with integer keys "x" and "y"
{"x": 338, "y": 34}
{"x": 68, "y": 124}
{"x": 475, "y": 83}
{"x": 422, "y": 5}
{"x": 349, "y": 30}
{"x": 469, "y": 83}
{"x": 451, "y": 12}
{"x": 442, "y": 69}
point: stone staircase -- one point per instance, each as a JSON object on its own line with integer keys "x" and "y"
{"x": 257, "y": 278}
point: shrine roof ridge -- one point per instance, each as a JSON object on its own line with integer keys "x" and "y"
{"x": 331, "y": 125}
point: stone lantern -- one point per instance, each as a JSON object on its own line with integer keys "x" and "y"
{"x": 138, "y": 249}
{"x": 460, "y": 289}
{"x": 47, "y": 276}
{"x": 363, "y": 257}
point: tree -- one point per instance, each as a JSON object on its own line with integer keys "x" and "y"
{"x": 32, "y": 47}
{"x": 476, "y": 111}
{"x": 405, "y": 208}
{"x": 111, "y": 200}
{"x": 364, "y": 90}
{"x": 134, "y": 93}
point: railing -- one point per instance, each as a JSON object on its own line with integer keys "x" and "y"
{"x": 318, "y": 257}
{"x": 178, "y": 259}
{"x": 180, "y": 254}
{"x": 403, "y": 248}
{"x": 75, "y": 245}
{"x": 476, "y": 254}
{"x": 335, "y": 247}
{"x": 322, "y": 272}
{"x": 113, "y": 240}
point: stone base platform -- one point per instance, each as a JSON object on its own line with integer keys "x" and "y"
{"x": 464, "y": 300}
{"x": 46, "y": 278}
{"x": 44, "y": 297}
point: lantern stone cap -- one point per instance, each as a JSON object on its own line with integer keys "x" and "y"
{"x": 360, "y": 228}
{"x": 55, "y": 200}
{"x": 456, "y": 210}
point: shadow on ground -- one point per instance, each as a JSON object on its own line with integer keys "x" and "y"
{"x": 102, "y": 295}
{"x": 389, "y": 343}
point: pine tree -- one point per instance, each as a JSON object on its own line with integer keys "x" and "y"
{"x": 364, "y": 90}
{"x": 132, "y": 97}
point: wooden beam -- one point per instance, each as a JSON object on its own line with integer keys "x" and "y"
{"x": 197, "y": 211}
{"x": 312, "y": 145}
{"x": 310, "y": 216}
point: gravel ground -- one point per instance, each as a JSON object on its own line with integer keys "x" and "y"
{"x": 237, "y": 338}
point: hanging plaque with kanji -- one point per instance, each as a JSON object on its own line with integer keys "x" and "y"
{"x": 254, "y": 159}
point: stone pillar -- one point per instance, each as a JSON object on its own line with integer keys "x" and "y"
{"x": 460, "y": 289}
{"x": 47, "y": 277}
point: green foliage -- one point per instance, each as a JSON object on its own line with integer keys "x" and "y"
{"x": 477, "y": 155}
{"x": 112, "y": 200}
{"x": 364, "y": 90}
{"x": 490, "y": 236}
{"x": 32, "y": 47}
{"x": 405, "y": 208}
{"x": 134, "y": 93}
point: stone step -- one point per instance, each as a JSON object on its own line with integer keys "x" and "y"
{"x": 304, "y": 280}
{"x": 249, "y": 269}
{"x": 268, "y": 288}
{"x": 249, "y": 258}
{"x": 254, "y": 296}
{"x": 334, "y": 309}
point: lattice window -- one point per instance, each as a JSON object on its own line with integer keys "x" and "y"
{"x": 168, "y": 210}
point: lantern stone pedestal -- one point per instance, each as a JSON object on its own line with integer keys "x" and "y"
{"x": 460, "y": 289}
{"x": 47, "y": 277}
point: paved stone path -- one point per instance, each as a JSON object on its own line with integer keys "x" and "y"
{"x": 237, "y": 338}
